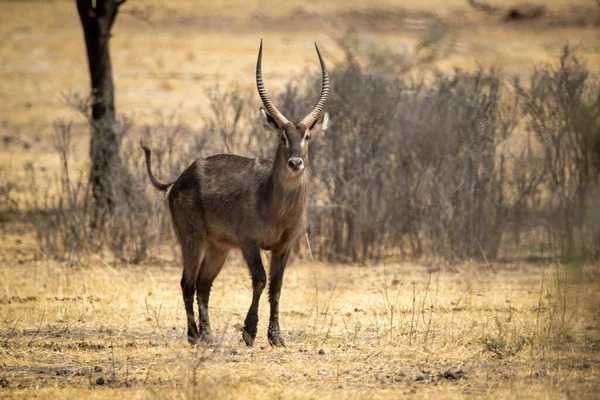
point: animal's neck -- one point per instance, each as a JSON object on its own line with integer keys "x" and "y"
{"x": 288, "y": 194}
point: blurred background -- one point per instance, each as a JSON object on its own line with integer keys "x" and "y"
{"x": 460, "y": 129}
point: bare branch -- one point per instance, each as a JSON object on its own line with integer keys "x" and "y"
{"x": 139, "y": 13}
{"x": 481, "y": 5}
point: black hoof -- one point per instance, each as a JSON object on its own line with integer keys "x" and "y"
{"x": 206, "y": 338}
{"x": 248, "y": 338}
{"x": 276, "y": 341}
{"x": 192, "y": 334}
{"x": 192, "y": 340}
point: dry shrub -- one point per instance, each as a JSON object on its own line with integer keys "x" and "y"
{"x": 434, "y": 166}
{"x": 412, "y": 164}
{"x": 7, "y": 203}
{"x": 409, "y": 166}
{"x": 63, "y": 215}
{"x": 562, "y": 107}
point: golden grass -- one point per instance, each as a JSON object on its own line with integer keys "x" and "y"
{"x": 169, "y": 61}
{"x": 59, "y": 323}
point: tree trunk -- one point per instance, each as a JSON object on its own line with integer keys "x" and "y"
{"x": 104, "y": 148}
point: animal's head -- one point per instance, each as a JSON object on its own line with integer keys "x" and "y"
{"x": 294, "y": 137}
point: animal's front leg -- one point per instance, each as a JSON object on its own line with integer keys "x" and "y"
{"x": 251, "y": 254}
{"x": 278, "y": 263}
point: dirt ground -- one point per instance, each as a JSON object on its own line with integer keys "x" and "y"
{"x": 379, "y": 331}
{"x": 98, "y": 328}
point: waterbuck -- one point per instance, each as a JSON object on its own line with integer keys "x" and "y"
{"x": 227, "y": 201}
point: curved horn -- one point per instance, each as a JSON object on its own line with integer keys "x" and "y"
{"x": 314, "y": 114}
{"x": 273, "y": 112}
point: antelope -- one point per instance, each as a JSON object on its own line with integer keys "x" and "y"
{"x": 226, "y": 201}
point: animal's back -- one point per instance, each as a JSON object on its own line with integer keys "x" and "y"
{"x": 219, "y": 193}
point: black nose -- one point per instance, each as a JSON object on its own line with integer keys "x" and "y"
{"x": 295, "y": 164}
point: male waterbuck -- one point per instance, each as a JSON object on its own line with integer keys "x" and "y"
{"x": 226, "y": 201}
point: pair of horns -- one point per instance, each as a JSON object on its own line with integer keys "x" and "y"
{"x": 279, "y": 118}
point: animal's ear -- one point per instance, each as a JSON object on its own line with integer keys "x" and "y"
{"x": 321, "y": 125}
{"x": 268, "y": 121}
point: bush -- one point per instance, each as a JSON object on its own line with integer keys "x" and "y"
{"x": 562, "y": 107}
{"x": 438, "y": 166}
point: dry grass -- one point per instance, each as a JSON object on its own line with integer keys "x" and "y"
{"x": 169, "y": 60}
{"x": 511, "y": 331}
{"x": 517, "y": 330}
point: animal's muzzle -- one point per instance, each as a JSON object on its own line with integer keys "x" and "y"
{"x": 295, "y": 164}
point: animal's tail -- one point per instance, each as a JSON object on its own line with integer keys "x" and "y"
{"x": 160, "y": 186}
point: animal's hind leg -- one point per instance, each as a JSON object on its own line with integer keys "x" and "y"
{"x": 212, "y": 263}
{"x": 192, "y": 253}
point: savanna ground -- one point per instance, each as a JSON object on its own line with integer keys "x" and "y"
{"x": 100, "y": 327}
{"x": 510, "y": 330}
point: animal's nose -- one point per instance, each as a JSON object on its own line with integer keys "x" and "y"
{"x": 295, "y": 164}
